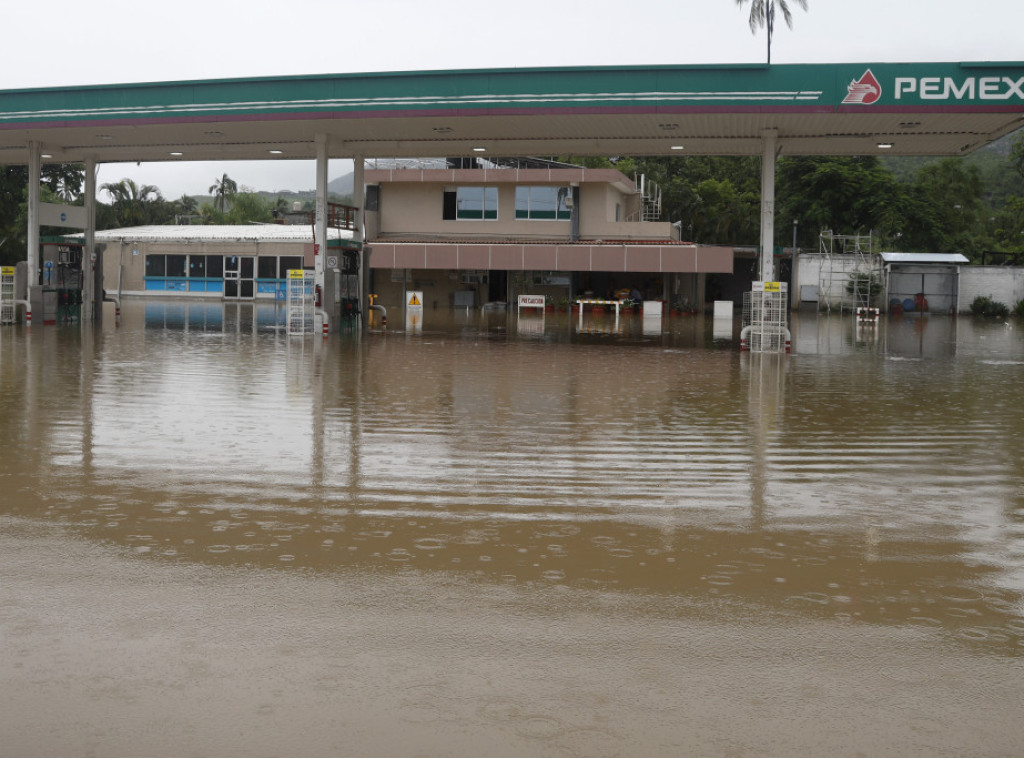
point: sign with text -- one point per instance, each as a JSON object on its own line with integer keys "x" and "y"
{"x": 532, "y": 301}
{"x": 769, "y": 287}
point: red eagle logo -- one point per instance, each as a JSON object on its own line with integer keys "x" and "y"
{"x": 864, "y": 91}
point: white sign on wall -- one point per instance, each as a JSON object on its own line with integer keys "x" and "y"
{"x": 53, "y": 214}
{"x": 531, "y": 301}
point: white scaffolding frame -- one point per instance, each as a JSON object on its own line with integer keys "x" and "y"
{"x": 849, "y": 269}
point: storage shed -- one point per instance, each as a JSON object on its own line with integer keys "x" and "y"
{"x": 922, "y": 282}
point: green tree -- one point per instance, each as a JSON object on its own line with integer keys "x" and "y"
{"x": 762, "y": 14}
{"x": 849, "y": 195}
{"x": 712, "y": 199}
{"x": 945, "y": 212}
{"x": 1017, "y": 153}
{"x": 133, "y": 204}
{"x": 59, "y": 182}
{"x": 247, "y": 207}
{"x": 223, "y": 190}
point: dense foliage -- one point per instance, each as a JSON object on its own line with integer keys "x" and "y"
{"x": 970, "y": 205}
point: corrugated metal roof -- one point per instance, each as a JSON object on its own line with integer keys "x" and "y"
{"x": 223, "y": 233}
{"x": 924, "y": 258}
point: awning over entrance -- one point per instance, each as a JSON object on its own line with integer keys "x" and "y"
{"x": 625, "y": 258}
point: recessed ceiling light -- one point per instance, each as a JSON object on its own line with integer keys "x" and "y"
{"x": 676, "y": 147}
{"x": 45, "y": 155}
{"x": 884, "y": 145}
{"x": 479, "y": 149}
{"x": 275, "y": 152}
{"x": 175, "y": 152}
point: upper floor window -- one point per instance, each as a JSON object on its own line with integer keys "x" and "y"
{"x": 543, "y": 203}
{"x": 471, "y": 203}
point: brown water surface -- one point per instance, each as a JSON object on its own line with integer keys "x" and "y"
{"x": 510, "y": 537}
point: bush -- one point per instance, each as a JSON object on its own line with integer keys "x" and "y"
{"x": 989, "y": 308}
{"x": 863, "y": 283}
{"x": 1018, "y": 309}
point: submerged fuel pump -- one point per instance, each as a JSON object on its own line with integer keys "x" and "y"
{"x": 62, "y": 279}
{"x": 348, "y": 291}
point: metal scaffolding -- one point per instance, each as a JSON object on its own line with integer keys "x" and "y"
{"x": 850, "y": 274}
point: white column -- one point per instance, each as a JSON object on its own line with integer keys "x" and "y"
{"x": 769, "y": 139}
{"x": 34, "y": 171}
{"x": 358, "y": 234}
{"x": 89, "y": 259}
{"x": 320, "y": 225}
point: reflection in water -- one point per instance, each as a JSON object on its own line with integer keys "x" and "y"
{"x": 864, "y": 479}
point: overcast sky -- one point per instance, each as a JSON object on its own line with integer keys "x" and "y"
{"x": 70, "y": 42}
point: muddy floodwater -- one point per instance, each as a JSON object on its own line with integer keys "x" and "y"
{"x": 510, "y": 537}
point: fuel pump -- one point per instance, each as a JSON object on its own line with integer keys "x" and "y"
{"x": 349, "y": 285}
{"x": 62, "y": 283}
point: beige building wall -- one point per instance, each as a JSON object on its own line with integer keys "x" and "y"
{"x": 413, "y": 208}
{"x": 124, "y": 263}
{"x": 437, "y": 285}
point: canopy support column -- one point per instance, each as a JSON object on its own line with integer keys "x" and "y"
{"x": 320, "y": 230}
{"x": 768, "y": 152}
{"x": 358, "y": 235}
{"x": 89, "y": 259}
{"x": 34, "y": 173}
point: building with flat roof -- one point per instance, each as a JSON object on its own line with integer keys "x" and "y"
{"x": 479, "y": 231}
{"x": 231, "y": 262}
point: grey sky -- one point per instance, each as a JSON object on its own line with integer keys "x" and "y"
{"x": 70, "y": 43}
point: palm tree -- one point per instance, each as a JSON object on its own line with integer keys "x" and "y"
{"x": 762, "y": 13}
{"x": 222, "y": 190}
{"x": 130, "y": 200}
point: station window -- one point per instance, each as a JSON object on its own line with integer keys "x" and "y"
{"x": 286, "y": 263}
{"x": 542, "y": 203}
{"x": 156, "y": 265}
{"x": 471, "y": 203}
{"x": 215, "y": 266}
{"x": 176, "y": 265}
{"x": 266, "y": 267}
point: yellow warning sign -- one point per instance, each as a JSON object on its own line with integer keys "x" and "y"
{"x": 7, "y": 270}
{"x": 414, "y": 300}
{"x": 772, "y": 287}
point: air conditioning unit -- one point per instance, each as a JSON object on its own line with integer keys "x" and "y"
{"x": 474, "y": 278}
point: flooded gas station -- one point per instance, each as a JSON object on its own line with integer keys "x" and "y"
{"x": 510, "y": 535}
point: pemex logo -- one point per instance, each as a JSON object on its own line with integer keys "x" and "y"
{"x": 863, "y": 91}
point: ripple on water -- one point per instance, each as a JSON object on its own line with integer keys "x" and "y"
{"x": 429, "y": 543}
{"x": 539, "y": 727}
